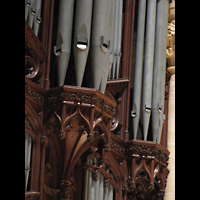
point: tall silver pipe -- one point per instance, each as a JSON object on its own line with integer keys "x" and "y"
{"x": 109, "y": 53}
{"x": 110, "y": 191}
{"x": 27, "y": 7}
{"x": 116, "y": 24}
{"x": 111, "y": 35}
{"x": 31, "y": 13}
{"x": 97, "y": 182}
{"x": 63, "y": 44}
{"x": 105, "y": 197}
{"x": 37, "y": 19}
{"x": 99, "y": 39}
{"x": 89, "y": 181}
{"x": 81, "y": 41}
{"x": 158, "y": 66}
{"x": 101, "y": 187}
{"x": 28, "y": 143}
{"x": 119, "y": 37}
{"x": 135, "y": 113}
{"x": 148, "y": 65}
{"x": 162, "y": 101}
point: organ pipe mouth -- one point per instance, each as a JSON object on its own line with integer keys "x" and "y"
{"x": 133, "y": 114}
{"x": 147, "y": 109}
{"x": 58, "y": 51}
{"x": 82, "y": 45}
{"x": 38, "y": 20}
{"x": 32, "y": 12}
{"x": 104, "y": 45}
{"x": 28, "y": 4}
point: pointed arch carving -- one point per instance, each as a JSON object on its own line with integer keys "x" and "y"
{"x": 33, "y": 117}
{"x": 79, "y": 114}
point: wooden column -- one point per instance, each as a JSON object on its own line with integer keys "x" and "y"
{"x": 44, "y": 141}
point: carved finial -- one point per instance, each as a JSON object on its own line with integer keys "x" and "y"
{"x": 62, "y": 134}
{"x": 89, "y": 137}
{"x": 106, "y": 147}
{"x": 44, "y": 141}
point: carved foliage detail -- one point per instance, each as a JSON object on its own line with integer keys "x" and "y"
{"x": 171, "y": 44}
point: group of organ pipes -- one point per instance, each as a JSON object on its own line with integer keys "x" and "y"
{"x": 98, "y": 32}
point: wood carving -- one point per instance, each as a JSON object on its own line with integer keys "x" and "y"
{"x": 171, "y": 44}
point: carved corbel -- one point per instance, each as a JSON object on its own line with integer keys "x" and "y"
{"x": 66, "y": 186}
{"x": 129, "y": 189}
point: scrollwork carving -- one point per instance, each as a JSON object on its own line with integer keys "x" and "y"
{"x": 31, "y": 69}
{"x": 33, "y": 94}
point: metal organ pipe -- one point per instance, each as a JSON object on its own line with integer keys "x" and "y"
{"x": 99, "y": 39}
{"x": 158, "y": 67}
{"x": 135, "y": 113}
{"x": 101, "y": 187}
{"x": 89, "y": 181}
{"x": 119, "y": 38}
{"x": 109, "y": 53}
{"x": 115, "y": 38}
{"x": 31, "y": 13}
{"x": 27, "y": 6}
{"x": 162, "y": 101}
{"x": 148, "y": 65}
{"x": 37, "y": 19}
{"x": 63, "y": 44}
{"x": 81, "y": 43}
{"x": 28, "y": 143}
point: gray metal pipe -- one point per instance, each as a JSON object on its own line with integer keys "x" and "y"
{"x": 27, "y": 7}
{"x": 158, "y": 66}
{"x": 110, "y": 191}
{"x": 81, "y": 41}
{"x": 89, "y": 186}
{"x": 37, "y": 19}
{"x": 101, "y": 187}
{"x": 116, "y": 24}
{"x": 28, "y": 143}
{"x": 135, "y": 113}
{"x": 111, "y": 35}
{"x": 99, "y": 39}
{"x": 63, "y": 44}
{"x": 162, "y": 101}
{"x": 148, "y": 65}
{"x": 105, "y": 197}
{"x": 31, "y": 13}
{"x": 97, "y": 182}
{"x": 119, "y": 37}
{"x": 109, "y": 53}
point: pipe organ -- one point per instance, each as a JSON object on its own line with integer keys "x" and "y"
{"x": 150, "y": 73}
{"x": 94, "y": 129}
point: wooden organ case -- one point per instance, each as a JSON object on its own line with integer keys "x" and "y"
{"x": 81, "y": 137}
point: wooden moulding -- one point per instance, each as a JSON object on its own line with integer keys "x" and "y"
{"x": 140, "y": 149}
{"x": 85, "y": 97}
